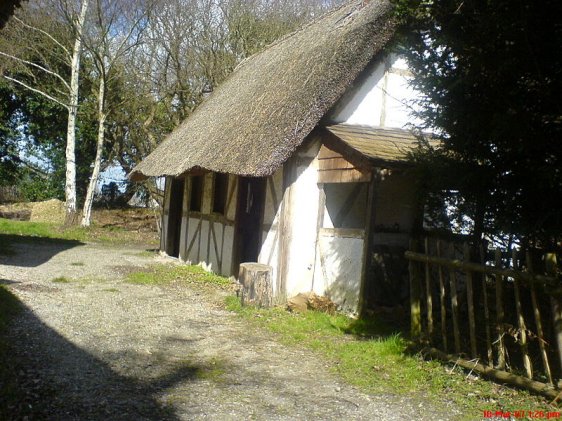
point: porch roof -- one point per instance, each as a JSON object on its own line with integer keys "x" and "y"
{"x": 377, "y": 143}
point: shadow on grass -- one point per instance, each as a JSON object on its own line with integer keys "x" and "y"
{"x": 379, "y": 325}
{"x": 45, "y": 376}
{"x": 29, "y": 251}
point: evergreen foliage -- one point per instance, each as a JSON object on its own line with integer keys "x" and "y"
{"x": 491, "y": 77}
{"x": 9, "y": 157}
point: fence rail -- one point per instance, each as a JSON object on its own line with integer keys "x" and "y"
{"x": 503, "y": 312}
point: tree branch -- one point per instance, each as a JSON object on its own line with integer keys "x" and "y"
{"x": 68, "y": 55}
{"x": 33, "y": 168}
{"x": 37, "y": 91}
{"x": 37, "y": 66}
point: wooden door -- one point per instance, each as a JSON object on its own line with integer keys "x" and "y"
{"x": 249, "y": 217}
{"x": 174, "y": 217}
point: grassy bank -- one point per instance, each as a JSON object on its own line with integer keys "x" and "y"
{"x": 21, "y": 230}
{"x": 165, "y": 274}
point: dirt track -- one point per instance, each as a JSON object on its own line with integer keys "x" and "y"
{"x": 99, "y": 348}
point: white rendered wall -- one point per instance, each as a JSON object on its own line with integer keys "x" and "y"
{"x": 338, "y": 268}
{"x": 304, "y": 213}
{"x": 324, "y": 262}
{"x": 381, "y": 98}
{"x": 328, "y": 262}
{"x": 271, "y": 239}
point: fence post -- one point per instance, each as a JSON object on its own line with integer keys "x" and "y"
{"x": 415, "y": 290}
{"x": 499, "y": 311}
{"x": 521, "y": 321}
{"x": 538, "y": 320}
{"x": 428, "y": 294}
{"x": 490, "y": 353}
{"x": 455, "y": 304}
{"x": 442, "y": 299}
{"x": 555, "y": 304}
{"x": 470, "y": 303}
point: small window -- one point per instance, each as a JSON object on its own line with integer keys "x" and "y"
{"x": 196, "y": 196}
{"x": 219, "y": 193}
{"x": 346, "y": 205}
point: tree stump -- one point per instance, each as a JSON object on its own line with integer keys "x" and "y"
{"x": 255, "y": 281}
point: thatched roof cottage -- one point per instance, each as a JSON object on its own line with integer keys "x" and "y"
{"x": 296, "y": 161}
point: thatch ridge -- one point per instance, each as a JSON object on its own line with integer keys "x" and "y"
{"x": 256, "y": 118}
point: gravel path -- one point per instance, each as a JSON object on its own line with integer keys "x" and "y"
{"x": 97, "y": 348}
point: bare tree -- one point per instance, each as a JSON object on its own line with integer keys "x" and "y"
{"x": 115, "y": 32}
{"x": 65, "y": 83}
{"x": 191, "y": 46}
{"x": 70, "y": 184}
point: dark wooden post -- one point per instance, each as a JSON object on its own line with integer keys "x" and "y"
{"x": 367, "y": 246}
{"x": 185, "y": 220}
{"x": 489, "y": 351}
{"x": 499, "y": 311}
{"x": 538, "y": 320}
{"x": 555, "y": 304}
{"x": 470, "y": 303}
{"x": 455, "y": 304}
{"x": 165, "y": 215}
{"x": 429, "y": 297}
{"x": 415, "y": 304}
{"x": 442, "y": 300}
{"x": 521, "y": 321}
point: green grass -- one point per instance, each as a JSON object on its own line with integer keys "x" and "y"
{"x": 41, "y": 229}
{"x": 61, "y": 280}
{"x": 77, "y": 264}
{"x": 213, "y": 370}
{"x": 369, "y": 355}
{"x": 45, "y": 230}
{"x": 144, "y": 253}
{"x": 164, "y": 274}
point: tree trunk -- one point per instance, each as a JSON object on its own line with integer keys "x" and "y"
{"x": 70, "y": 182}
{"x": 88, "y": 201}
{"x": 255, "y": 280}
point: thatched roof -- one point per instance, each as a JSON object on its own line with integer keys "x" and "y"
{"x": 256, "y": 119}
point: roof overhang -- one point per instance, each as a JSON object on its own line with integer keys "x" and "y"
{"x": 379, "y": 146}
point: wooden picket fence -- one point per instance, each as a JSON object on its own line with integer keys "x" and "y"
{"x": 499, "y": 314}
